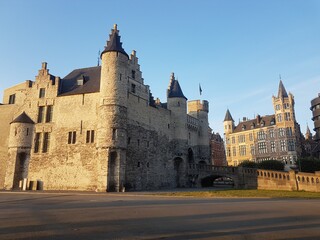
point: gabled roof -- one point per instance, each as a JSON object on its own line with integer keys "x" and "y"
{"x": 23, "y": 118}
{"x": 91, "y": 81}
{"x": 282, "y": 93}
{"x": 174, "y": 89}
{"x": 258, "y": 122}
{"x": 228, "y": 116}
{"x": 114, "y": 44}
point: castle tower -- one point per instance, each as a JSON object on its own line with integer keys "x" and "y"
{"x": 177, "y": 103}
{"x": 20, "y": 142}
{"x": 308, "y": 135}
{"x": 112, "y": 127}
{"x": 228, "y": 123}
{"x": 289, "y": 130}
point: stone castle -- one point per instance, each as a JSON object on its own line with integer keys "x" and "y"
{"x": 99, "y": 128}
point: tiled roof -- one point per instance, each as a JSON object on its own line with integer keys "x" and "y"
{"x": 91, "y": 81}
{"x": 282, "y": 91}
{"x": 23, "y": 118}
{"x": 258, "y": 122}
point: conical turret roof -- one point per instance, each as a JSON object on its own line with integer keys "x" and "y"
{"x": 174, "y": 89}
{"x": 282, "y": 93}
{"x": 228, "y": 116}
{"x": 114, "y": 44}
{"x": 23, "y": 118}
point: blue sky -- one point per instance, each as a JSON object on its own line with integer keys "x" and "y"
{"x": 234, "y": 49}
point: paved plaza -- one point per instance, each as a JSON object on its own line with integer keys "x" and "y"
{"x": 68, "y": 215}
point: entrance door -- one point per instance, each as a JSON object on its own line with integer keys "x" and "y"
{"x": 112, "y": 172}
{"x": 20, "y": 170}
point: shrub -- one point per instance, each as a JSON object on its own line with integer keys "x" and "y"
{"x": 248, "y": 164}
{"x": 271, "y": 165}
{"x": 308, "y": 165}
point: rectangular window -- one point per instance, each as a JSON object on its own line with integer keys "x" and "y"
{"x": 114, "y": 134}
{"x": 49, "y": 113}
{"x": 46, "y": 142}
{"x": 287, "y": 116}
{"x": 282, "y": 132}
{"x": 262, "y": 148}
{"x": 283, "y": 145}
{"x": 261, "y": 135}
{"x": 241, "y": 138}
{"x": 12, "y": 98}
{"x": 133, "y": 74}
{"x": 279, "y": 117}
{"x": 90, "y": 136}
{"x": 252, "y": 149}
{"x": 291, "y": 145}
{"x": 289, "y": 131}
{"x": 37, "y": 142}
{"x": 40, "y": 114}
{"x": 271, "y": 132}
{"x": 42, "y": 92}
{"x": 242, "y": 150}
{"x": 72, "y": 137}
{"x": 251, "y": 137}
{"x": 234, "y": 151}
{"x": 273, "y": 147}
{"x": 133, "y": 88}
{"x": 233, "y": 140}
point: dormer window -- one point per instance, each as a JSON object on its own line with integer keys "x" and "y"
{"x": 253, "y": 126}
{"x": 262, "y": 123}
{"x": 272, "y": 122}
{"x": 243, "y": 127}
{"x": 12, "y": 98}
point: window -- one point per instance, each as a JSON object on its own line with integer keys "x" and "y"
{"x": 90, "y": 136}
{"x": 242, "y": 150}
{"x": 72, "y": 137}
{"x": 283, "y": 145}
{"x": 271, "y": 133}
{"x": 42, "y": 92}
{"x": 229, "y": 152}
{"x": 234, "y": 151}
{"x": 262, "y": 148}
{"x": 291, "y": 145}
{"x": 37, "y": 142}
{"x": 252, "y": 149}
{"x": 12, "y": 98}
{"x": 129, "y": 140}
{"x": 251, "y": 137}
{"x": 241, "y": 138}
{"x": 233, "y": 140}
{"x": 277, "y": 107}
{"x": 286, "y": 106}
{"x": 289, "y": 131}
{"x": 261, "y": 135}
{"x": 46, "y": 142}
{"x": 279, "y": 117}
{"x": 287, "y": 116}
{"x": 282, "y": 132}
{"x": 49, "y": 113}
{"x": 273, "y": 147}
{"x": 133, "y": 88}
{"x": 133, "y": 74}
{"x": 114, "y": 134}
{"x": 40, "y": 114}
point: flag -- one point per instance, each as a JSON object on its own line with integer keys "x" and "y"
{"x": 200, "y": 90}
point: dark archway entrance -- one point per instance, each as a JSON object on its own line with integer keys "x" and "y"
{"x": 112, "y": 172}
{"x": 20, "y": 170}
{"x": 217, "y": 181}
{"x": 177, "y": 170}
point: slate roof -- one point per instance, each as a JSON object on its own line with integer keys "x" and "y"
{"x": 282, "y": 91}
{"x": 228, "y": 116}
{"x": 268, "y": 120}
{"x": 175, "y": 90}
{"x": 114, "y": 44}
{"x": 91, "y": 81}
{"x": 23, "y": 118}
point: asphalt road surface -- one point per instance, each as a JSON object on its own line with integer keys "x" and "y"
{"x": 138, "y": 216}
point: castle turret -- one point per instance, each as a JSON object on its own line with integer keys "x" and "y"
{"x": 112, "y": 128}
{"x": 228, "y": 123}
{"x": 20, "y": 142}
{"x": 177, "y": 103}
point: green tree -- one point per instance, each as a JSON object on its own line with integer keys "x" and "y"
{"x": 248, "y": 164}
{"x": 308, "y": 164}
{"x": 271, "y": 165}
